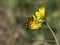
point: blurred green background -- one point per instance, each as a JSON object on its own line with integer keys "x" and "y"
{"x": 13, "y": 16}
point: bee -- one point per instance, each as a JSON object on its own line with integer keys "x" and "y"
{"x": 29, "y": 20}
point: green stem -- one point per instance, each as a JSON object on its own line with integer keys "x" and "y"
{"x": 53, "y": 33}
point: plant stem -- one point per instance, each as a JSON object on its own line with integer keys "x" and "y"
{"x": 53, "y": 33}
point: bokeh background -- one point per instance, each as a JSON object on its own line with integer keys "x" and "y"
{"x": 13, "y": 16}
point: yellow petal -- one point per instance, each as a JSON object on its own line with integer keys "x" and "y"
{"x": 35, "y": 26}
{"x": 42, "y": 11}
{"x": 38, "y": 15}
{"x": 34, "y": 17}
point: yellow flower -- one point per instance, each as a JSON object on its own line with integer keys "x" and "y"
{"x": 38, "y": 19}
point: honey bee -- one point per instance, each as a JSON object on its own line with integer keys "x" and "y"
{"x": 29, "y": 20}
